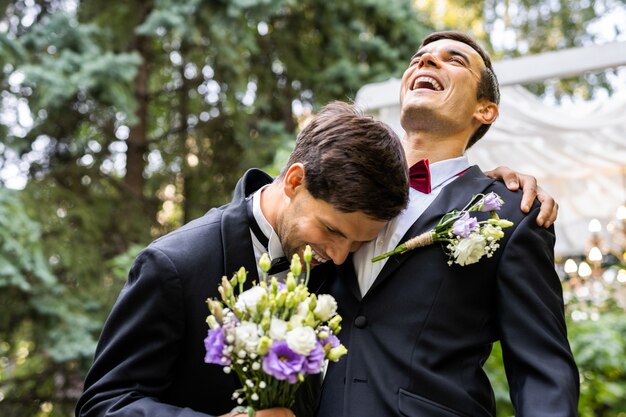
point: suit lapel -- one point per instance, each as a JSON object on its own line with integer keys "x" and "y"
{"x": 454, "y": 196}
{"x": 236, "y": 240}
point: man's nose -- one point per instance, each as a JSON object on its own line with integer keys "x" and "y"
{"x": 428, "y": 59}
{"x": 339, "y": 251}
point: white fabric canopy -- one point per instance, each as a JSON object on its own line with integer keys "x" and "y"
{"x": 577, "y": 152}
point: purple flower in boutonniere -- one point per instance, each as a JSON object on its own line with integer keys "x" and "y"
{"x": 466, "y": 239}
{"x": 464, "y": 225}
{"x": 491, "y": 202}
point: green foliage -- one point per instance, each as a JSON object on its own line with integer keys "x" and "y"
{"x": 43, "y": 331}
{"x": 600, "y": 351}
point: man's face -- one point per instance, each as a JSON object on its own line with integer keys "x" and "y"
{"x": 440, "y": 84}
{"x": 332, "y": 234}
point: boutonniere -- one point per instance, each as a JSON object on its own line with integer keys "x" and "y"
{"x": 465, "y": 239}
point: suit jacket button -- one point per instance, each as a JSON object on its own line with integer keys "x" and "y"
{"x": 360, "y": 322}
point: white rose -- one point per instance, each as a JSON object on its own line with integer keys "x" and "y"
{"x": 470, "y": 249}
{"x": 249, "y": 299}
{"x": 278, "y": 329}
{"x": 326, "y": 307}
{"x": 247, "y": 336}
{"x": 301, "y": 340}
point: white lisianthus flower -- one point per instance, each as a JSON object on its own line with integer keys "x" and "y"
{"x": 249, "y": 299}
{"x": 302, "y": 340}
{"x": 326, "y": 307}
{"x": 247, "y": 336}
{"x": 278, "y": 329}
{"x": 470, "y": 249}
{"x": 296, "y": 321}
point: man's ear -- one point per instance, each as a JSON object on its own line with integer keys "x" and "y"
{"x": 486, "y": 112}
{"x": 294, "y": 179}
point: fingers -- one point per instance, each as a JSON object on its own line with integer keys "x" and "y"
{"x": 549, "y": 209}
{"x": 506, "y": 175}
{"x": 528, "y": 184}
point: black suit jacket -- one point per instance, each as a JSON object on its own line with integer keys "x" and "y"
{"x": 150, "y": 357}
{"x": 418, "y": 338}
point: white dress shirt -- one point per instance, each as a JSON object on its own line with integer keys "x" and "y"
{"x": 275, "y": 248}
{"x": 442, "y": 173}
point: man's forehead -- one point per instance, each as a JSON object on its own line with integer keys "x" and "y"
{"x": 452, "y": 46}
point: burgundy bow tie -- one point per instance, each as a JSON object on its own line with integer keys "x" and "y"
{"x": 420, "y": 176}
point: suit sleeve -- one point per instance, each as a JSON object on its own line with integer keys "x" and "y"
{"x": 139, "y": 345}
{"x": 543, "y": 378}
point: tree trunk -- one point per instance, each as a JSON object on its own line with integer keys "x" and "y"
{"x": 137, "y": 141}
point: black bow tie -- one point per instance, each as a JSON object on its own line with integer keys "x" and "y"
{"x": 278, "y": 265}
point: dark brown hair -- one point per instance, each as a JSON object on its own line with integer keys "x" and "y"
{"x": 488, "y": 87}
{"x": 353, "y": 162}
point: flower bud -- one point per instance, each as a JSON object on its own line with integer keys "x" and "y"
{"x": 290, "y": 301}
{"x": 212, "y": 322}
{"x": 308, "y": 254}
{"x": 265, "y": 263}
{"x": 290, "y": 282}
{"x": 503, "y": 223}
{"x": 296, "y": 265}
{"x": 265, "y": 343}
{"x": 336, "y": 353}
{"x": 215, "y": 307}
{"x": 241, "y": 275}
{"x": 280, "y": 298}
{"x": 228, "y": 287}
{"x": 335, "y": 323}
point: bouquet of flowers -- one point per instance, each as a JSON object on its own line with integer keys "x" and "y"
{"x": 466, "y": 239}
{"x": 272, "y": 335}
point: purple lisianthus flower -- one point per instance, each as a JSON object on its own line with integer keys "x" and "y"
{"x": 214, "y": 345}
{"x": 315, "y": 361}
{"x": 283, "y": 363}
{"x": 464, "y": 225}
{"x": 491, "y": 202}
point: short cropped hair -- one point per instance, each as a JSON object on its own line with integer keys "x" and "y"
{"x": 353, "y": 162}
{"x": 488, "y": 87}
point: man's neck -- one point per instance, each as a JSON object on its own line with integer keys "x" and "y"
{"x": 419, "y": 146}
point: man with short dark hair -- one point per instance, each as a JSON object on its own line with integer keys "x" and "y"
{"x": 417, "y": 329}
{"x": 149, "y": 360}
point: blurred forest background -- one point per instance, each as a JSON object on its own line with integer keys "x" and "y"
{"x": 120, "y": 121}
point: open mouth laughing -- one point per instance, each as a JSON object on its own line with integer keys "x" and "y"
{"x": 426, "y": 82}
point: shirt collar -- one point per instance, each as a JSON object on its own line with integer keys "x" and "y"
{"x": 275, "y": 248}
{"x": 441, "y": 171}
